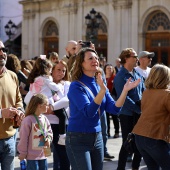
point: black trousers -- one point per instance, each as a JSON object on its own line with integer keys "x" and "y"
{"x": 127, "y": 123}
{"x": 60, "y": 159}
{"x": 115, "y": 122}
{"x": 62, "y": 115}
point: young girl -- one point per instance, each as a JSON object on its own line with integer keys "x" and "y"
{"x": 41, "y": 81}
{"x": 35, "y": 134}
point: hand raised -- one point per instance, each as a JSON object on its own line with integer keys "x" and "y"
{"x": 130, "y": 85}
{"x": 100, "y": 82}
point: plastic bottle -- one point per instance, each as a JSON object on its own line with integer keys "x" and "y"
{"x": 23, "y": 165}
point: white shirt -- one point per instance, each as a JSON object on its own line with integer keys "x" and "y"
{"x": 62, "y": 103}
{"x": 144, "y": 73}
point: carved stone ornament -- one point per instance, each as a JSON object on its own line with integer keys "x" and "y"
{"x": 117, "y": 4}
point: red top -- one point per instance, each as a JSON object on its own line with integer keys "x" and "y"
{"x": 110, "y": 83}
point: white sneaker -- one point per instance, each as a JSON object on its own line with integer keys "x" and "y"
{"x": 61, "y": 141}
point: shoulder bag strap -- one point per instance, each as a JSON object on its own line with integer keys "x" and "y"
{"x": 89, "y": 91}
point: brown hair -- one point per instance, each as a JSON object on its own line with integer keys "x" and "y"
{"x": 126, "y": 53}
{"x": 53, "y": 55}
{"x": 77, "y": 69}
{"x": 13, "y": 63}
{"x": 34, "y": 102}
{"x": 66, "y": 76}
{"x": 159, "y": 77}
{"x": 104, "y": 69}
{"x": 26, "y": 64}
{"x": 40, "y": 68}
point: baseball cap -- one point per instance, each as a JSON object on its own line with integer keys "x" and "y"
{"x": 146, "y": 53}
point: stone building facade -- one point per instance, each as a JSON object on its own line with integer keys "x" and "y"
{"x": 142, "y": 24}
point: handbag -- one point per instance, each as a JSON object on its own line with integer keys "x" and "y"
{"x": 129, "y": 144}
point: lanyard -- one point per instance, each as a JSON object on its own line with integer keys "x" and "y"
{"x": 41, "y": 129}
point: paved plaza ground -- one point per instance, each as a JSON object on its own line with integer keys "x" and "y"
{"x": 113, "y": 146}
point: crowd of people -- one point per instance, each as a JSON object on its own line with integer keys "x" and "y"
{"x": 67, "y": 103}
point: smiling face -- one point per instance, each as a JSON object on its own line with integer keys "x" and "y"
{"x": 90, "y": 64}
{"x": 3, "y": 55}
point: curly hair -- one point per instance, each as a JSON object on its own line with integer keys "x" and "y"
{"x": 126, "y": 53}
{"x": 77, "y": 69}
{"x": 40, "y": 68}
{"x": 159, "y": 77}
{"x": 34, "y": 102}
{"x": 13, "y": 63}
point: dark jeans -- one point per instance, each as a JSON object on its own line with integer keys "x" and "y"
{"x": 60, "y": 157}
{"x": 61, "y": 114}
{"x": 127, "y": 123}
{"x": 37, "y": 164}
{"x": 103, "y": 120}
{"x": 85, "y": 150}
{"x": 115, "y": 122}
{"x": 156, "y": 153}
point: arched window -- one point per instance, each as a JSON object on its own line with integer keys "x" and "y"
{"x": 50, "y": 38}
{"x": 52, "y": 29}
{"x": 159, "y": 21}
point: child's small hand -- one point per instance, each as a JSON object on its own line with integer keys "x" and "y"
{"x": 47, "y": 143}
{"x": 20, "y": 157}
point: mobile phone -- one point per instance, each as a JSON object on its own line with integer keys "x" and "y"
{"x": 86, "y": 44}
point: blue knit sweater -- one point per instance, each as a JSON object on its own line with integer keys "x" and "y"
{"x": 84, "y": 115}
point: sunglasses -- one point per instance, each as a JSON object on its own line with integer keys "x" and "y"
{"x": 134, "y": 57}
{"x": 5, "y": 50}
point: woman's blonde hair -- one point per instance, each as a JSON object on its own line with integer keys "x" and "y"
{"x": 159, "y": 77}
{"x": 77, "y": 69}
{"x": 34, "y": 102}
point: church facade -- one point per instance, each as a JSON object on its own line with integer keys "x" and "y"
{"x": 141, "y": 24}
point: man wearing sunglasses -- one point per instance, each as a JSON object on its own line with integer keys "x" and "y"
{"x": 145, "y": 59}
{"x": 10, "y": 110}
{"x": 130, "y": 112}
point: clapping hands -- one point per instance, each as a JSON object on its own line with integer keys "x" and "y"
{"x": 130, "y": 85}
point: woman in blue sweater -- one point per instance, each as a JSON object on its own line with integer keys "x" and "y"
{"x": 89, "y": 97}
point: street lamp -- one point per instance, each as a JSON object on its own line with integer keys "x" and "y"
{"x": 10, "y": 29}
{"x": 93, "y": 21}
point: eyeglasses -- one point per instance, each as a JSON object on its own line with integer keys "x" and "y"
{"x": 134, "y": 57}
{"x": 5, "y": 50}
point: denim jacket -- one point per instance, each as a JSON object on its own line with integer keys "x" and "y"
{"x": 134, "y": 96}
